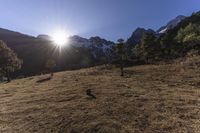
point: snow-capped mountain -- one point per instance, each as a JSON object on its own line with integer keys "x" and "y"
{"x": 99, "y": 47}
{"x": 171, "y": 24}
{"x": 78, "y": 41}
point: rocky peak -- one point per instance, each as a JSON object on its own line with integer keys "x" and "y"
{"x": 171, "y": 24}
{"x": 137, "y": 35}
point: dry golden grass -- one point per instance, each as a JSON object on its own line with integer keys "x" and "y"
{"x": 149, "y": 99}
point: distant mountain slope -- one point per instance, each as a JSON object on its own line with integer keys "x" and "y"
{"x": 171, "y": 24}
{"x": 12, "y": 37}
{"x": 35, "y": 51}
{"x": 194, "y": 19}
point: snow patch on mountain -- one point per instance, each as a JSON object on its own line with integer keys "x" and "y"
{"x": 171, "y": 24}
{"x": 163, "y": 31}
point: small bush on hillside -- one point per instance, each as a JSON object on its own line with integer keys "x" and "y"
{"x": 50, "y": 64}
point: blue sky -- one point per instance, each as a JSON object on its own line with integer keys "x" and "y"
{"x": 110, "y": 19}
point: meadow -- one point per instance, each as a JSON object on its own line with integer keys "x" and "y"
{"x": 148, "y": 99}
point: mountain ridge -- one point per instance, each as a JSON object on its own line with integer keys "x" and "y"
{"x": 83, "y": 52}
{"x": 35, "y": 51}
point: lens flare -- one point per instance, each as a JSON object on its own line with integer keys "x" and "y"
{"x": 60, "y": 38}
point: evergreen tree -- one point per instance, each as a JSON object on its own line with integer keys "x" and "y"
{"x": 9, "y": 61}
{"x": 149, "y": 49}
{"x": 190, "y": 36}
{"x": 121, "y": 52}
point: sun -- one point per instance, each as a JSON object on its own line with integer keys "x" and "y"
{"x": 60, "y": 38}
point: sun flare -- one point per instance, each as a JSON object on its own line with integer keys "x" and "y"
{"x": 60, "y": 38}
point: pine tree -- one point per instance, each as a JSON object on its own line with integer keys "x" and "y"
{"x": 149, "y": 49}
{"x": 121, "y": 52}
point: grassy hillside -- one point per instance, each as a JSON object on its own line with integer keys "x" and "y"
{"x": 150, "y": 98}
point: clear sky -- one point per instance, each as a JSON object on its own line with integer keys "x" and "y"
{"x": 110, "y": 19}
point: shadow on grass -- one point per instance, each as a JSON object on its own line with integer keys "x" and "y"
{"x": 44, "y": 80}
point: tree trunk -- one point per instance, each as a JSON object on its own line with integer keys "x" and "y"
{"x": 51, "y": 74}
{"x": 147, "y": 60}
{"x": 8, "y": 76}
{"x": 122, "y": 68}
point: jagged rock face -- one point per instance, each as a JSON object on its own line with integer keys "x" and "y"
{"x": 171, "y": 24}
{"x": 78, "y": 41}
{"x": 99, "y": 41}
{"x": 137, "y": 36}
{"x": 100, "y": 48}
